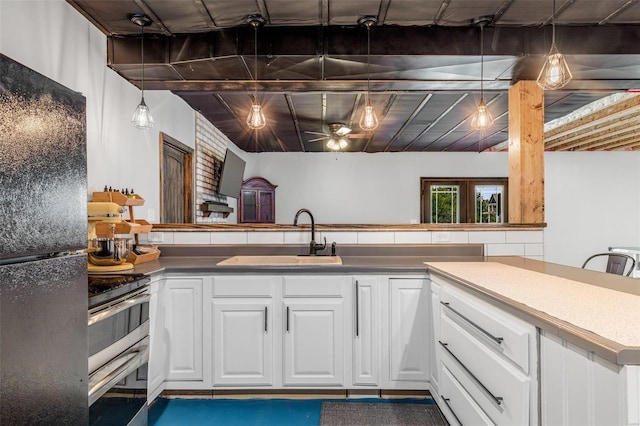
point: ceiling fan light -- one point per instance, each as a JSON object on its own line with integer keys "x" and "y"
{"x": 256, "y": 119}
{"x": 142, "y": 118}
{"x": 369, "y": 120}
{"x": 555, "y": 74}
{"x": 482, "y": 118}
{"x": 332, "y": 144}
{"x": 342, "y": 142}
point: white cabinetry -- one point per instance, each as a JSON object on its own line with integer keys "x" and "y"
{"x": 183, "y": 312}
{"x": 158, "y": 345}
{"x": 579, "y": 388}
{"x": 243, "y": 342}
{"x": 407, "y": 335}
{"x": 488, "y": 361}
{"x": 313, "y": 331}
{"x": 366, "y": 331}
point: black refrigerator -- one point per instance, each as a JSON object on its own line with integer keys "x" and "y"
{"x": 43, "y": 228}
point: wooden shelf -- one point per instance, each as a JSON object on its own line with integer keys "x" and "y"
{"x": 119, "y": 198}
{"x": 139, "y": 226}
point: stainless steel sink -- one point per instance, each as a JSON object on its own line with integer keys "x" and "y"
{"x": 281, "y": 260}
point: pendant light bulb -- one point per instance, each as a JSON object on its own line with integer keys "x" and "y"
{"x": 555, "y": 73}
{"x": 482, "y": 118}
{"x": 369, "y": 120}
{"x": 256, "y": 119}
{"x": 142, "y": 118}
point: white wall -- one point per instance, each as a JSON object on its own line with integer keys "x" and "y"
{"x": 592, "y": 199}
{"x": 592, "y": 202}
{"x": 52, "y": 38}
{"x": 362, "y": 188}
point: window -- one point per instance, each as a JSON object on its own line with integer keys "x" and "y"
{"x": 463, "y": 200}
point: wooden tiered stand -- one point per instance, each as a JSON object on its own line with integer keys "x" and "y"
{"x": 128, "y": 226}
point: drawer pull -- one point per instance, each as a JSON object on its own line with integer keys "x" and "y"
{"x": 498, "y": 340}
{"x": 497, "y": 399}
{"x": 446, "y": 402}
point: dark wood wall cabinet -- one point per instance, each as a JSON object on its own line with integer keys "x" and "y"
{"x": 257, "y": 201}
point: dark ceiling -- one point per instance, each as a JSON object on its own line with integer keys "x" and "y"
{"x": 312, "y": 63}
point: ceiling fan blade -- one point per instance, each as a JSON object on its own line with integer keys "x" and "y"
{"x": 317, "y": 133}
{"x": 318, "y": 139}
{"x": 357, "y": 135}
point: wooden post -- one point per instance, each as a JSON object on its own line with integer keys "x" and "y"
{"x": 526, "y": 153}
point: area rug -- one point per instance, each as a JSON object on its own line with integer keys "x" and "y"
{"x": 379, "y": 414}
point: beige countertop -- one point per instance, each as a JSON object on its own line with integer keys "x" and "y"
{"x": 603, "y": 320}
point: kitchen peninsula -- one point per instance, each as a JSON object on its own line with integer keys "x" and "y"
{"x": 554, "y": 327}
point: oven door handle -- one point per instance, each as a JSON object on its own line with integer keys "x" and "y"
{"x": 119, "y": 307}
{"x": 129, "y": 361}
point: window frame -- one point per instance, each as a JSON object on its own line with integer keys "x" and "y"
{"x": 467, "y": 196}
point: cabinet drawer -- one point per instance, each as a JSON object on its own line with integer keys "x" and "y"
{"x": 312, "y": 286}
{"x": 244, "y": 286}
{"x": 459, "y": 407}
{"x": 498, "y": 387}
{"x": 504, "y": 333}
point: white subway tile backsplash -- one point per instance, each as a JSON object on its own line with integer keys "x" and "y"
{"x": 341, "y": 237}
{"x": 192, "y": 238}
{"x": 228, "y": 238}
{"x": 534, "y": 249}
{"x": 413, "y": 237}
{"x": 504, "y": 249}
{"x": 525, "y": 237}
{"x": 265, "y": 237}
{"x": 376, "y": 237}
{"x": 447, "y": 237}
{"x": 301, "y": 237}
{"x": 496, "y": 237}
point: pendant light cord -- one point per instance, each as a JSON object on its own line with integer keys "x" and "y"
{"x": 142, "y": 57}
{"x": 553, "y": 25}
{"x": 368, "y": 54}
{"x": 481, "y": 62}
{"x": 255, "y": 62}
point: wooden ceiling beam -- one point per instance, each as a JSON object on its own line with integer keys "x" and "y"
{"x": 614, "y": 111}
{"x": 595, "y": 133}
{"x": 614, "y": 143}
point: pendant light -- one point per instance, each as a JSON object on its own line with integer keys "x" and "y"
{"x": 142, "y": 118}
{"x": 255, "y": 119}
{"x": 369, "y": 120}
{"x": 482, "y": 117}
{"x": 555, "y": 72}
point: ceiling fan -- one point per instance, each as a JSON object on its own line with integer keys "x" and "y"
{"x": 337, "y": 138}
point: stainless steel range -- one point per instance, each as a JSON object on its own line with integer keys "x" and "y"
{"x": 118, "y": 348}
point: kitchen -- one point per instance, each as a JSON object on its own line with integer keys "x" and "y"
{"x": 56, "y": 41}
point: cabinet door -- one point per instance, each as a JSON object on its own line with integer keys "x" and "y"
{"x": 366, "y": 332}
{"x": 249, "y": 206}
{"x": 313, "y": 343}
{"x": 183, "y": 325}
{"x": 242, "y": 343}
{"x": 265, "y": 207}
{"x": 157, "y": 345}
{"x": 409, "y": 331}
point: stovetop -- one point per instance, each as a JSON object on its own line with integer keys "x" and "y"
{"x": 106, "y": 287}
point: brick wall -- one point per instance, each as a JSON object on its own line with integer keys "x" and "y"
{"x": 211, "y": 146}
